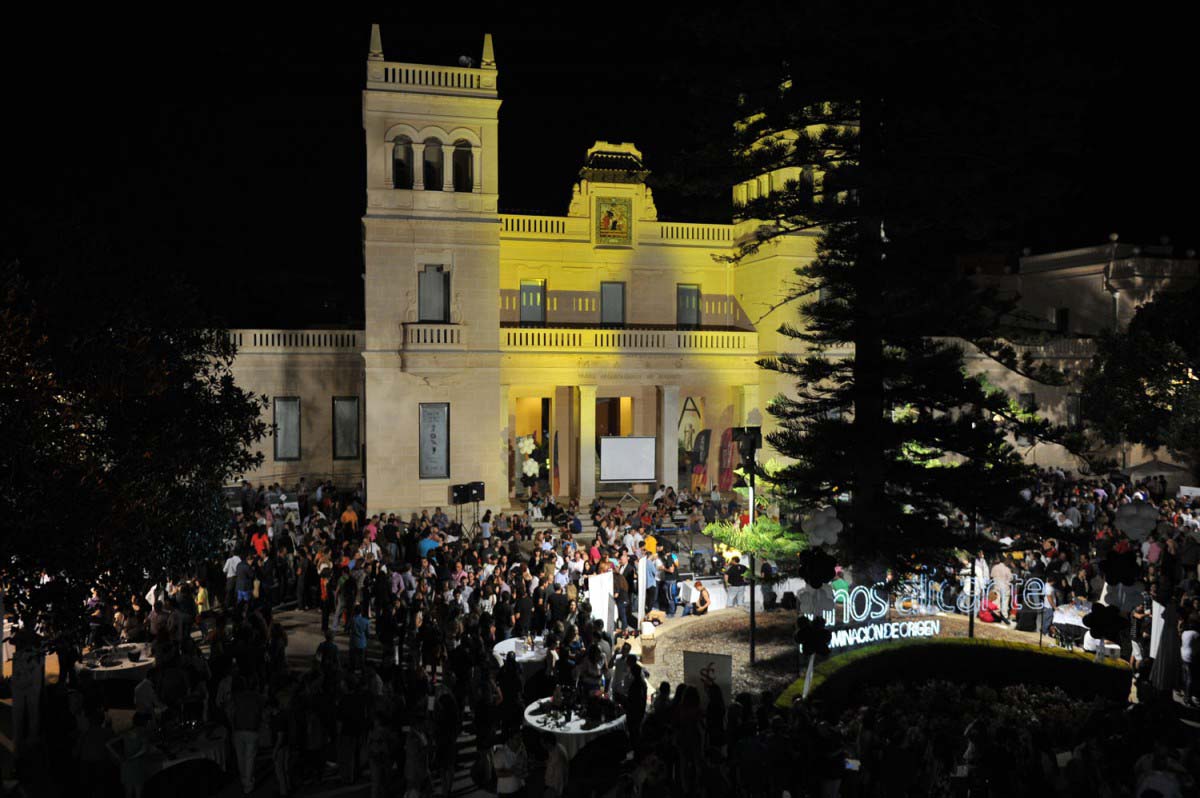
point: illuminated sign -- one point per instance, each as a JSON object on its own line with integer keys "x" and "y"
{"x": 878, "y": 632}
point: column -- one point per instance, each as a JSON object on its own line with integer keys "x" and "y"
{"x": 668, "y": 435}
{"x": 564, "y": 400}
{"x": 447, "y": 167}
{"x": 749, "y": 414}
{"x": 506, "y": 443}
{"x": 476, "y": 170}
{"x": 418, "y": 166}
{"x": 587, "y": 444}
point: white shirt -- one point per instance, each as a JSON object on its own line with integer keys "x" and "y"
{"x": 503, "y": 758}
{"x": 231, "y": 565}
{"x": 1187, "y": 645}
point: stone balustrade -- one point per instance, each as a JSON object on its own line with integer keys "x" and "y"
{"x": 646, "y": 341}
{"x": 434, "y": 337}
{"x": 432, "y": 79}
{"x": 315, "y": 341}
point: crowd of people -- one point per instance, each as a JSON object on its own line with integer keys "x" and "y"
{"x": 422, "y": 602}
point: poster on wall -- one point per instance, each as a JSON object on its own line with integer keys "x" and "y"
{"x": 614, "y": 223}
{"x": 691, "y": 421}
{"x": 435, "y": 440}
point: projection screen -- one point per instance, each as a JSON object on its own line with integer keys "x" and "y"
{"x": 627, "y": 459}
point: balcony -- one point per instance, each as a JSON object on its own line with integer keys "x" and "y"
{"x": 424, "y": 78}
{"x": 420, "y": 337}
{"x": 297, "y": 341}
{"x": 582, "y": 340}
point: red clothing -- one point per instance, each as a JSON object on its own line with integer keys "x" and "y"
{"x": 261, "y": 543}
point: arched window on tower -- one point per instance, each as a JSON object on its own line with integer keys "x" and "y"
{"x": 433, "y": 165}
{"x": 464, "y": 176}
{"x": 402, "y": 163}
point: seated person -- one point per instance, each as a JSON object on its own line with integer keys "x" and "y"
{"x": 989, "y": 611}
{"x": 701, "y": 604}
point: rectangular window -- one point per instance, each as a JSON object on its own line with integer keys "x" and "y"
{"x": 345, "y": 428}
{"x": 612, "y": 304}
{"x": 687, "y": 306}
{"x": 533, "y": 301}
{"x": 434, "y": 445}
{"x": 433, "y": 295}
{"x": 287, "y": 428}
{"x": 1062, "y": 320}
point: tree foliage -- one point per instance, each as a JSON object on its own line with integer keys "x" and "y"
{"x": 765, "y": 538}
{"x": 1144, "y": 384}
{"x": 899, "y": 164}
{"x": 121, "y": 423}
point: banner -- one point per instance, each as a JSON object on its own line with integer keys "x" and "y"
{"x": 699, "y": 481}
{"x": 702, "y": 668}
{"x": 600, "y": 594}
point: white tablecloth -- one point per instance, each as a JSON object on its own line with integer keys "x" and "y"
{"x": 720, "y": 596}
{"x": 572, "y": 735}
{"x": 1070, "y": 615}
{"x": 124, "y": 669}
{"x": 526, "y": 658}
{"x": 209, "y": 743}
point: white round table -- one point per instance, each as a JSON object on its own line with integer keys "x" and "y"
{"x": 124, "y": 668}
{"x": 528, "y": 659}
{"x": 572, "y": 735}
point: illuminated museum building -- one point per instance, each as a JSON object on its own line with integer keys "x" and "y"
{"x": 483, "y": 327}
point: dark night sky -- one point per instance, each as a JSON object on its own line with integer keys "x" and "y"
{"x": 231, "y": 152}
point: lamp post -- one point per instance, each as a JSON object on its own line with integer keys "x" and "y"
{"x": 752, "y": 564}
{"x": 749, "y": 440}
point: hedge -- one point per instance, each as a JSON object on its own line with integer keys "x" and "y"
{"x": 963, "y": 660}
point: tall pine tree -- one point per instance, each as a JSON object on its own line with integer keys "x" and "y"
{"x": 911, "y": 150}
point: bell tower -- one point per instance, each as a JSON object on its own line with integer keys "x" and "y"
{"x": 431, "y": 239}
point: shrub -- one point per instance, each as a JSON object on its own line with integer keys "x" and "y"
{"x": 962, "y": 660}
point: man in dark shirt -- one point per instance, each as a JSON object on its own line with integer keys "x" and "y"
{"x": 244, "y": 582}
{"x": 735, "y": 579}
{"x": 503, "y": 616}
{"x": 522, "y": 615}
{"x": 560, "y": 605}
{"x": 621, "y": 597}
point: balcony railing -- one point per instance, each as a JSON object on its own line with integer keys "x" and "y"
{"x": 696, "y": 233}
{"x": 312, "y": 341}
{"x": 601, "y": 341}
{"x": 434, "y": 79}
{"x": 434, "y": 337}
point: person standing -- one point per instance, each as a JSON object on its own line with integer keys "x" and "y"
{"x": 509, "y": 761}
{"x": 28, "y": 674}
{"x": 359, "y": 628}
{"x": 285, "y": 731}
{"x": 244, "y": 582}
{"x": 230, "y": 570}
{"x": 246, "y": 713}
{"x": 735, "y": 580}
{"x": 1189, "y": 655}
{"x": 635, "y": 701}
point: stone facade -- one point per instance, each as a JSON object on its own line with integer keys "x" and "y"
{"x": 606, "y": 320}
